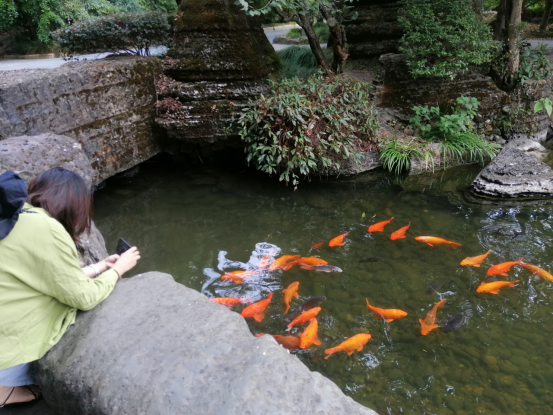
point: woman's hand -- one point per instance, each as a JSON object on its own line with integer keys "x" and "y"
{"x": 126, "y": 261}
{"x": 110, "y": 261}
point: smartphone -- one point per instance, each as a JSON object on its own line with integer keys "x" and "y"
{"x": 122, "y": 246}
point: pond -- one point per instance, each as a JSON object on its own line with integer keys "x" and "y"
{"x": 186, "y": 220}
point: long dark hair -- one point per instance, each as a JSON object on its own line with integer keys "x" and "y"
{"x": 65, "y": 196}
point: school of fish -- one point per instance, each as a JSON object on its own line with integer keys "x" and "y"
{"x": 307, "y": 312}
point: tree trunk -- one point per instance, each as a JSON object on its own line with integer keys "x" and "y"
{"x": 305, "y": 20}
{"x": 545, "y": 17}
{"x": 499, "y": 25}
{"x": 339, "y": 41}
{"x": 510, "y": 36}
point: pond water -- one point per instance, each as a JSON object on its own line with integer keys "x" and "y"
{"x": 185, "y": 220}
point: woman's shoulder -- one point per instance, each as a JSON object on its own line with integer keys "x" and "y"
{"x": 42, "y": 226}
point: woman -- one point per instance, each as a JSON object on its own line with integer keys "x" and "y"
{"x": 41, "y": 284}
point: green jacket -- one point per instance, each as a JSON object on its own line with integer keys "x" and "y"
{"x": 41, "y": 287}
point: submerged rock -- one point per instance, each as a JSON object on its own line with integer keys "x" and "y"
{"x": 158, "y": 347}
{"x": 514, "y": 174}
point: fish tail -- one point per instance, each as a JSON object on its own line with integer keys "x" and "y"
{"x": 287, "y": 308}
{"x": 513, "y": 283}
{"x": 329, "y": 352}
{"x": 270, "y": 296}
{"x": 368, "y": 305}
{"x": 519, "y": 262}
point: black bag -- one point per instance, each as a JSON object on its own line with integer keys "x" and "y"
{"x": 13, "y": 194}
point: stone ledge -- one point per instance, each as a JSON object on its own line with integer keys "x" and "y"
{"x": 157, "y": 347}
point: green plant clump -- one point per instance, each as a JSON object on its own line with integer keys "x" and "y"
{"x": 294, "y": 33}
{"x": 297, "y": 61}
{"x": 130, "y": 32}
{"x": 308, "y": 126}
{"x": 396, "y": 155}
{"x": 534, "y": 63}
{"x": 443, "y": 37}
{"x": 322, "y": 31}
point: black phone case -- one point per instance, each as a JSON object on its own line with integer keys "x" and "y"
{"x": 122, "y": 246}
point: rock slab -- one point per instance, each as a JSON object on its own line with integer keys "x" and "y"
{"x": 106, "y": 105}
{"x": 514, "y": 174}
{"x": 157, "y": 347}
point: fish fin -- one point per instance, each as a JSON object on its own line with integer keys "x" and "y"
{"x": 368, "y": 305}
{"x": 350, "y": 352}
{"x": 476, "y": 265}
{"x": 296, "y": 294}
{"x": 300, "y": 335}
{"x": 421, "y": 321}
{"x": 360, "y": 348}
{"x": 493, "y": 292}
{"x": 317, "y": 341}
{"x": 429, "y": 244}
{"x": 504, "y": 274}
{"x": 259, "y": 317}
{"x": 389, "y": 319}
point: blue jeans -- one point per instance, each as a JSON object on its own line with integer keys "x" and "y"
{"x": 19, "y": 375}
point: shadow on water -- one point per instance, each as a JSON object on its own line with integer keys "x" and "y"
{"x": 198, "y": 222}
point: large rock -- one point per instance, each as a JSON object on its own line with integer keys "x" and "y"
{"x": 91, "y": 247}
{"x": 30, "y": 156}
{"x": 158, "y": 347}
{"x": 514, "y": 174}
{"x": 375, "y": 30}
{"x": 106, "y": 105}
{"x": 220, "y": 60}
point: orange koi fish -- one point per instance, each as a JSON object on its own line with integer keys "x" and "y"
{"x": 379, "y": 227}
{"x": 400, "y": 233}
{"x": 289, "y": 293}
{"x": 304, "y": 317}
{"x": 288, "y": 342}
{"x": 432, "y": 240}
{"x": 353, "y": 343}
{"x": 257, "y": 310}
{"x": 538, "y": 272}
{"x": 230, "y": 302}
{"x": 264, "y": 263}
{"x": 309, "y": 336}
{"x": 283, "y": 262}
{"x": 390, "y": 314}
{"x": 317, "y": 245}
{"x": 239, "y": 276}
{"x": 339, "y": 240}
{"x": 494, "y": 287}
{"x": 306, "y": 263}
{"x": 474, "y": 261}
{"x": 503, "y": 268}
{"x": 427, "y": 325}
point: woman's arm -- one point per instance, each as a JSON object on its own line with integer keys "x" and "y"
{"x": 94, "y": 270}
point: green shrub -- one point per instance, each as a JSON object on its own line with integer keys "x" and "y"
{"x": 294, "y": 33}
{"x": 308, "y": 126}
{"x": 534, "y": 63}
{"x": 443, "y": 37}
{"x": 130, "y": 32}
{"x": 455, "y": 131}
{"x": 297, "y": 61}
{"x": 322, "y": 31}
{"x": 396, "y": 155}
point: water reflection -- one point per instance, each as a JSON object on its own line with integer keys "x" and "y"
{"x": 196, "y": 224}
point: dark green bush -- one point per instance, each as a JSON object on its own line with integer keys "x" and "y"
{"x": 443, "y": 37}
{"x": 297, "y": 61}
{"x": 294, "y": 33}
{"x": 128, "y": 32}
{"x": 322, "y": 31}
{"x": 303, "y": 127}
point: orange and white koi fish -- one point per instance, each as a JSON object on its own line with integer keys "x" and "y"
{"x": 339, "y": 240}
{"x": 283, "y": 262}
{"x": 317, "y": 245}
{"x": 230, "y": 302}
{"x": 494, "y": 287}
{"x": 400, "y": 233}
{"x": 474, "y": 261}
{"x": 289, "y": 293}
{"x": 264, "y": 263}
{"x": 353, "y": 343}
{"x": 239, "y": 276}
{"x": 306, "y": 263}
{"x": 304, "y": 317}
{"x": 432, "y": 240}
{"x": 288, "y": 342}
{"x": 427, "y": 325}
{"x": 503, "y": 268}
{"x": 309, "y": 336}
{"x": 379, "y": 227}
{"x": 538, "y": 272}
{"x": 257, "y": 310}
{"x": 389, "y": 314}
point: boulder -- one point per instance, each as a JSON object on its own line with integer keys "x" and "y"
{"x": 514, "y": 174}
{"x": 528, "y": 146}
{"x": 91, "y": 247}
{"x": 29, "y": 156}
{"x": 157, "y": 347}
{"x": 220, "y": 60}
{"x": 106, "y": 105}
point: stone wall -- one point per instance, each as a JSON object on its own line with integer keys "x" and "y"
{"x": 157, "y": 347}
{"x": 107, "y": 105}
{"x": 501, "y": 115}
{"x": 375, "y": 31}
